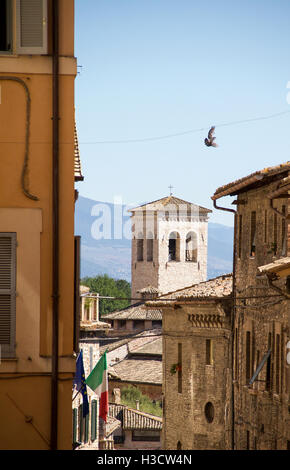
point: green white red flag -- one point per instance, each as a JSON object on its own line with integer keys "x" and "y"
{"x": 98, "y": 382}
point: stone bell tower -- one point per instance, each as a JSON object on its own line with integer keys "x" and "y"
{"x": 169, "y": 246}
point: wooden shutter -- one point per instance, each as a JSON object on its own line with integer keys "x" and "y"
{"x": 32, "y": 26}
{"x": 94, "y": 420}
{"x": 75, "y": 424}
{"x": 7, "y": 293}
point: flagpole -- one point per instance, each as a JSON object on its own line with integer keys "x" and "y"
{"x": 78, "y": 391}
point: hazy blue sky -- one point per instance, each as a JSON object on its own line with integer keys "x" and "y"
{"x": 157, "y": 67}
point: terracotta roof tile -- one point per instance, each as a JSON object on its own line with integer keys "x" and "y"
{"x": 135, "y": 312}
{"x": 232, "y": 188}
{"x": 77, "y": 160}
{"x": 140, "y": 370}
{"x": 134, "y": 419}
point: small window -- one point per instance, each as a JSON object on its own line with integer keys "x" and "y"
{"x": 150, "y": 247}
{"x": 275, "y": 240}
{"x": 5, "y": 26}
{"x": 209, "y": 412}
{"x": 191, "y": 247}
{"x": 253, "y": 234}
{"x": 209, "y": 352}
{"x": 179, "y": 446}
{"x": 284, "y": 233}
{"x": 174, "y": 247}
{"x": 240, "y": 235}
{"x": 140, "y": 247}
{"x": 179, "y": 376}
{"x": 248, "y": 356}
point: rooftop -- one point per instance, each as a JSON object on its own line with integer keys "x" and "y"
{"x": 134, "y": 419}
{"x": 217, "y": 288}
{"x": 135, "y": 312}
{"x": 258, "y": 176}
{"x": 139, "y": 370}
{"x": 171, "y": 203}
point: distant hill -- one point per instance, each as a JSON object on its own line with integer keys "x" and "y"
{"x": 113, "y": 256}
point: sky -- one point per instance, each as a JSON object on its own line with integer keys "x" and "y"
{"x": 157, "y": 68}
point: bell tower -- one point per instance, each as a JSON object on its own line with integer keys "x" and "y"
{"x": 169, "y": 246}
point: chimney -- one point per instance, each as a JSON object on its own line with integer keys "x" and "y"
{"x": 137, "y": 405}
{"x": 117, "y": 396}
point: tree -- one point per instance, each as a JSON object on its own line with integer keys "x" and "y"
{"x": 107, "y": 286}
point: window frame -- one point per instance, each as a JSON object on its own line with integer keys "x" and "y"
{"x": 31, "y": 50}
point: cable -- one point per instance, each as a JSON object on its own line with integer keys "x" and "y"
{"x": 162, "y": 137}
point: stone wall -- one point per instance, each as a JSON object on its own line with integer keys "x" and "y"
{"x": 188, "y": 393}
{"x": 262, "y": 323}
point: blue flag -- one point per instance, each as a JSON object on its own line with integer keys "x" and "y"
{"x": 80, "y": 383}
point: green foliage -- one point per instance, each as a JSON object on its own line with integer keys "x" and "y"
{"x": 129, "y": 396}
{"x": 107, "y": 286}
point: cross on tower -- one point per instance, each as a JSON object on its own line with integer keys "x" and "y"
{"x": 171, "y": 187}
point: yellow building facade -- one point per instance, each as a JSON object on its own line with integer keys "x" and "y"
{"x": 37, "y": 246}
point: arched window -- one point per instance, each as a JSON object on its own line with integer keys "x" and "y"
{"x": 209, "y": 412}
{"x": 140, "y": 245}
{"x": 174, "y": 247}
{"x": 191, "y": 247}
{"x": 150, "y": 246}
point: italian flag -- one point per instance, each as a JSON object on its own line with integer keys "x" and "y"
{"x": 98, "y": 382}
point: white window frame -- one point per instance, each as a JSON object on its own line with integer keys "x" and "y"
{"x": 31, "y": 50}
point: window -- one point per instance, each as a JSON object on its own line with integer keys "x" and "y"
{"x": 179, "y": 376}
{"x": 266, "y": 226}
{"x": 75, "y": 424}
{"x": 248, "y": 356}
{"x": 209, "y": 412}
{"x": 277, "y": 363}
{"x": 6, "y": 26}
{"x": 209, "y": 352}
{"x": 94, "y": 420}
{"x": 179, "y": 445}
{"x": 140, "y": 246}
{"x": 150, "y": 247}
{"x": 253, "y": 234}
{"x": 7, "y": 293}
{"x": 174, "y": 247}
{"x": 31, "y": 26}
{"x": 240, "y": 235}
{"x": 275, "y": 240}
{"x": 248, "y": 440}
{"x": 191, "y": 247}
{"x": 268, "y": 367}
{"x": 284, "y": 233}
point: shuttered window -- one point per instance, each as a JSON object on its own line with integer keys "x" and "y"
{"x": 7, "y": 293}
{"x": 32, "y": 26}
{"x": 94, "y": 420}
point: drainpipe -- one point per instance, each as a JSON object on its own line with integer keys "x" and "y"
{"x": 234, "y": 312}
{"x": 55, "y": 227}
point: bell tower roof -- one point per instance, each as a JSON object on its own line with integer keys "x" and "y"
{"x": 170, "y": 203}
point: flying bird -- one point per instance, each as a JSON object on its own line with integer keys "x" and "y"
{"x": 209, "y": 141}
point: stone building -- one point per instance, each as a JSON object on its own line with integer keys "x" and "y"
{"x": 261, "y": 308}
{"x": 197, "y": 366}
{"x": 169, "y": 246}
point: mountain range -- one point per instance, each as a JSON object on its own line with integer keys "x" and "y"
{"x": 110, "y": 253}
